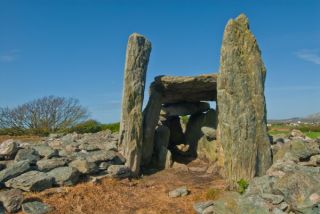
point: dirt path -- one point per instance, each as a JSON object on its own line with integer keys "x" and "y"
{"x": 147, "y": 195}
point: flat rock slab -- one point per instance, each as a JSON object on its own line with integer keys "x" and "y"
{"x": 14, "y": 170}
{"x": 46, "y": 165}
{"x": 65, "y": 176}
{"x": 177, "y": 89}
{"x": 11, "y": 200}
{"x": 36, "y": 207}
{"x": 179, "y": 192}
{"x": 31, "y": 181}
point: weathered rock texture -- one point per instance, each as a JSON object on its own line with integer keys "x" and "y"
{"x": 177, "y": 89}
{"x": 241, "y": 104}
{"x": 172, "y": 91}
{"x": 131, "y": 131}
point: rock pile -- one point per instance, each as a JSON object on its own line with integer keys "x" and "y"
{"x": 291, "y": 185}
{"x": 57, "y": 161}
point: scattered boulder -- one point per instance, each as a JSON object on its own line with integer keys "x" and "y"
{"x": 179, "y": 192}
{"x": 11, "y": 200}
{"x": 46, "y": 151}
{"x": 85, "y": 167}
{"x": 36, "y": 207}
{"x": 201, "y": 206}
{"x": 14, "y": 170}
{"x": 64, "y": 176}
{"x": 296, "y": 133}
{"x": 119, "y": 171}
{"x": 31, "y": 181}
{"x": 8, "y": 149}
{"x": 28, "y": 154}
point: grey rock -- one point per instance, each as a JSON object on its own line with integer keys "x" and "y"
{"x": 177, "y": 89}
{"x": 28, "y": 154}
{"x": 100, "y": 156}
{"x": 36, "y": 207}
{"x": 46, "y": 151}
{"x": 261, "y": 185}
{"x": 297, "y": 189}
{"x": 150, "y": 121}
{"x": 89, "y": 147}
{"x": 84, "y": 167}
{"x": 179, "y": 192}
{"x": 131, "y": 125}
{"x": 119, "y": 171}
{"x": 11, "y": 200}
{"x": 274, "y": 199}
{"x": 65, "y": 176}
{"x": 193, "y": 131}
{"x": 277, "y": 211}
{"x": 8, "y": 149}
{"x": 209, "y": 132}
{"x": 201, "y": 206}
{"x": 14, "y": 170}
{"x": 283, "y": 206}
{"x": 241, "y": 103}
{"x": 31, "y": 181}
{"x": 46, "y": 165}
{"x": 184, "y": 108}
{"x": 162, "y": 136}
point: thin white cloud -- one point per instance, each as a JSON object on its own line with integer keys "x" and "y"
{"x": 309, "y": 55}
{"x": 9, "y": 56}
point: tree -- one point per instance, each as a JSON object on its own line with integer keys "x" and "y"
{"x": 47, "y": 114}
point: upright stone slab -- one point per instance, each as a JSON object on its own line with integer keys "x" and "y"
{"x": 131, "y": 131}
{"x": 150, "y": 121}
{"x": 241, "y": 103}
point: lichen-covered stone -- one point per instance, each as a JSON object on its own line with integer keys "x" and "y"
{"x": 65, "y": 176}
{"x": 150, "y": 121}
{"x": 31, "y": 181}
{"x": 131, "y": 125}
{"x": 241, "y": 104}
{"x": 14, "y": 170}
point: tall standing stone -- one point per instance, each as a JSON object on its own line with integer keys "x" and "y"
{"x": 241, "y": 103}
{"x": 131, "y": 125}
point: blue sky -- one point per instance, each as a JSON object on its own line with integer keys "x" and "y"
{"x": 77, "y": 48}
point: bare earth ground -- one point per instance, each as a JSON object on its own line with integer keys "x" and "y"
{"x": 144, "y": 196}
{"x": 147, "y": 195}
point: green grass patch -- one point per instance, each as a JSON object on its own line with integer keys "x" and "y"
{"x": 242, "y": 185}
{"x": 312, "y": 135}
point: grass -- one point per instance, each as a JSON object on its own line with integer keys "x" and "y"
{"x": 313, "y": 135}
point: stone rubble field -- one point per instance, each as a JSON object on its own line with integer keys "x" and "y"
{"x": 56, "y": 161}
{"x": 291, "y": 184}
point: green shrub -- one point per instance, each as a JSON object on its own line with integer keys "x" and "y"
{"x": 242, "y": 185}
{"x": 114, "y": 127}
{"x": 89, "y": 126}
